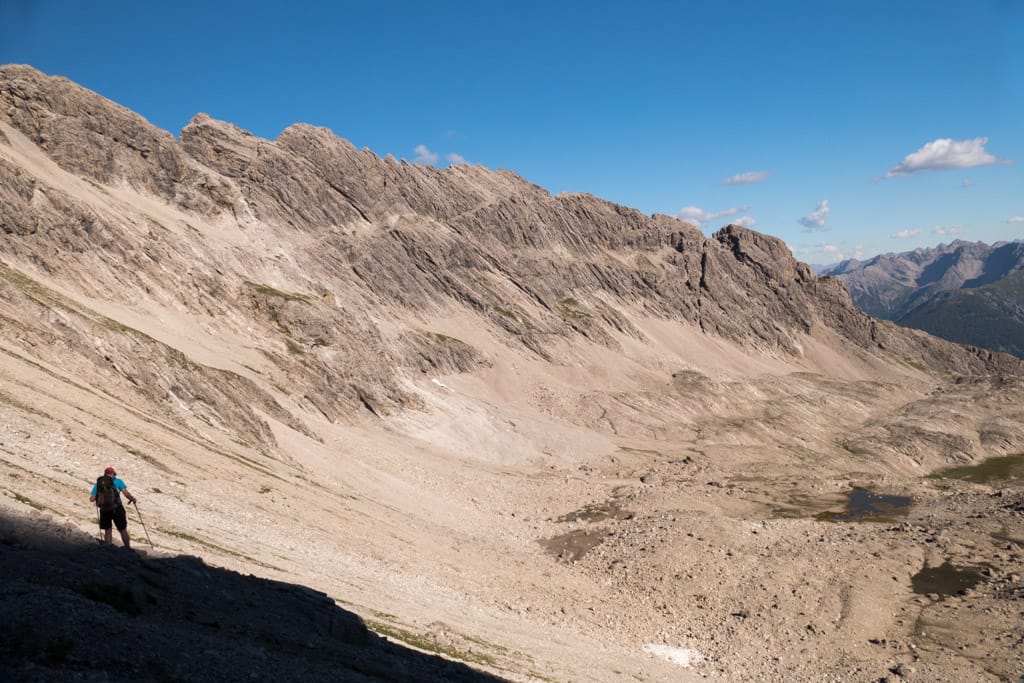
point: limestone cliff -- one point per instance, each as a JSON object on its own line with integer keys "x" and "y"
{"x": 326, "y": 265}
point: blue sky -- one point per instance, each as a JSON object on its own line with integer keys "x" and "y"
{"x": 846, "y": 128}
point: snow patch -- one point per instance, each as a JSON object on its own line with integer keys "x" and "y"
{"x": 676, "y": 655}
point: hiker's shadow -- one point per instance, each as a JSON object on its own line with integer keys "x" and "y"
{"x": 74, "y": 609}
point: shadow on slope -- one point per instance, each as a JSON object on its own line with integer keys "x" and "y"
{"x": 937, "y": 270}
{"x": 73, "y": 609}
{"x": 999, "y": 264}
{"x": 990, "y": 316}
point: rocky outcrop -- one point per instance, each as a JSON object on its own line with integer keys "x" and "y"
{"x": 91, "y": 136}
{"x": 747, "y": 271}
{"x": 128, "y": 362}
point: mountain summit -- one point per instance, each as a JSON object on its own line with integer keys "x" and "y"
{"x": 549, "y": 436}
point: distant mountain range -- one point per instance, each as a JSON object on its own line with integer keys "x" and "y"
{"x": 966, "y": 292}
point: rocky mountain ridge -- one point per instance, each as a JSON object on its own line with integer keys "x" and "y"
{"x": 349, "y": 234}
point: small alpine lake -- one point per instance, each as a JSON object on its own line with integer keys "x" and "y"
{"x": 863, "y": 505}
{"x": 855, "y": 505}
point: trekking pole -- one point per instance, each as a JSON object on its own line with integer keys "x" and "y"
{"x": 143, "y": 524}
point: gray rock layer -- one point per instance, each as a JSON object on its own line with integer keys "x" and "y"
{"x": 343, "y": 240}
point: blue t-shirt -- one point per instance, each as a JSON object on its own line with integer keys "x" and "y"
{"x": 118, "y": 485}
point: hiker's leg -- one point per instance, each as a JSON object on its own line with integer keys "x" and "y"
{"x": 121, "y": 521}
{"x": 106, "y": 519}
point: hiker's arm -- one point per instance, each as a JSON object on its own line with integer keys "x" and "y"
{"x": 92, "y": 498}
{"x": 131, "y": 498}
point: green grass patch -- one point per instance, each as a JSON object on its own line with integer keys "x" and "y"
{"x": 28, "y": 501}
{"x": 853, "y": 449}
{"x": 119, "y": 327}
{"x": 52, "y": 299}
{"x": 216, "y": 548}
{"x": 1004, "y": 468}
{"x": 444, "y": 338}
{"x": 272, "y": 357}
{"x": 243, "y": 460}
{"x": 96, "y": 185}
{"x": 30, "y": 287}
{"x": 156, "y": 224}
{"x": 267, "y": 290}
{"x": 145, "y": 458}
{"x": 427, "y": 644}
{"x": 917, "y": 366}
{"x": 189, "y": 537}
{"x": 24, "y": 407}
{"x": 833, "y": 516}
{"x": 570, "y": 308}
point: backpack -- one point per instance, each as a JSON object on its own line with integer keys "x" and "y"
{"x": 107, "y": 497}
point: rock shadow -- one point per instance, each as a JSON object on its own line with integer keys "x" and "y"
{"x": 75, "y": 609}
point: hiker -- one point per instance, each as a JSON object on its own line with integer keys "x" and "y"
{"x": 106, "y": 493}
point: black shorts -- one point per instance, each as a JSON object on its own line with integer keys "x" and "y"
{"x": 117, "y": 516}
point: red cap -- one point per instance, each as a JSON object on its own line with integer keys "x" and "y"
{"x": 109, "y": 470}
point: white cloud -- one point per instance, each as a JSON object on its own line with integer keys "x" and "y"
{"x": 967, "y": 183}
{"x": 454, "y": 159}
{"x": 746, "y": 178}
{"x": 693, "y": 214}
{"x": 824, "y": 252}
{"x": 424, "y": 156}
{"x": 951, "y": 230}
{"x": 905, "y": 234}
{"x": 698, "y": 216}
{"x": 946, "y": 153}
{"x": 815, "y": 220}
{"x": 745, "y": 221}
{"x": 1015, "y": 219}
